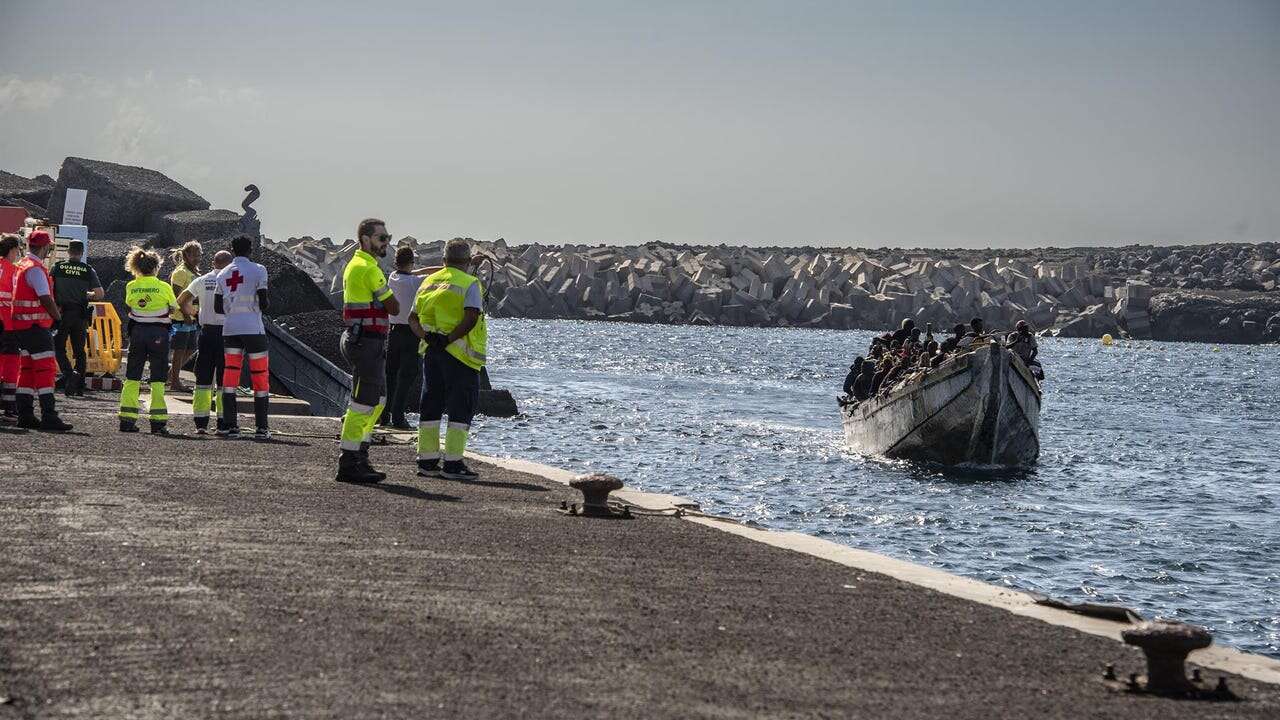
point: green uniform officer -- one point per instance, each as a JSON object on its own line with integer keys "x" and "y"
{"x": 448, "y": 315}
{"x": 367, "y": 304}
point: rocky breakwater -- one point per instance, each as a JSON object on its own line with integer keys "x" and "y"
{"x": 121, "y": 199}
{"x": 1071, "y": 293}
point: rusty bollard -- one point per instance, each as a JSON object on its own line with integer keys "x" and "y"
{"x": 595, "y": 489}
{"x": 1166, "y": 644}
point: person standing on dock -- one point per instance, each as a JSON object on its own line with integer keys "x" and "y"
{"x": 33, "y": 314}
{"x": 10, "y": 251}
{"x": 367, "y": 306}
{"x": 240, "y": 296}
{"x": 209, "y": 353}
{"x": 185, "y": 331}
{"x": 402, "y": 344}
{"x": 150, "y": 301}
{"x": 75, "y": 285}
{"x": 449, "y": 317}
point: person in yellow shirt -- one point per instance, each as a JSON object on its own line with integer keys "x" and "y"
{"x": 150, "y": 301}
{"x": 449, "y": 317}
{"x": 184, "y": 332}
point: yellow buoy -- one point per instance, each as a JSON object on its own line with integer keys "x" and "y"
{"x": 1106, "y": 339}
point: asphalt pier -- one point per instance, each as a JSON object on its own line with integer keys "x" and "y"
{"x": 163, "y": 577}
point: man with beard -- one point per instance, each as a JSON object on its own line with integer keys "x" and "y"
{"x": 367, "y": 306}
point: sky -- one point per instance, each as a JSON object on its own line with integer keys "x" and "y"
{"x": 866, "y": 124}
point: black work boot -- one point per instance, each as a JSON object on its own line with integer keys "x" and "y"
{"x": 128, "y": 425}
{"x": 364, "y": 454}
{"x": 353, "y": 468}
{"x": 49, "y": 419}
{"x": 159, "y": 427}
{"x": 457, "y": 470}
{"x": 50, "y": 422}
{"x": 27, "y": 413}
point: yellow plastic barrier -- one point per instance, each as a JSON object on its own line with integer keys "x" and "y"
{"x": 102, "y": 340}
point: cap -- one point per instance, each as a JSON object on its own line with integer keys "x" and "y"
{"x": 39, "y": 238}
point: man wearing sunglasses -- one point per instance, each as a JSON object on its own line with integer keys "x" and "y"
{"x": 367, "y": 306}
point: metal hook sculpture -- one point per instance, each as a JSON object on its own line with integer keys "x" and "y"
{"x": 249, "y": 224}
{"x": 488, "y": 277}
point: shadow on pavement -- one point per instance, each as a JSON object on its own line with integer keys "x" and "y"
{"x": 503, "y": 485}
{"x": 412, "y": 492}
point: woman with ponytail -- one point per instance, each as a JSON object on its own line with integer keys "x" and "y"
{"x": 185, "y": 331}
{"x": 151, "y": 302}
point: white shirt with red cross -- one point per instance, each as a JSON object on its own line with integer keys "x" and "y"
{"x": 238, "y": 284}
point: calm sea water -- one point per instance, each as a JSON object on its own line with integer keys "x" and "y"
{"x": 1156, "y": 488}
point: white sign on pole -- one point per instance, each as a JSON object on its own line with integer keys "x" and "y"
{"x": 73, "y": 209}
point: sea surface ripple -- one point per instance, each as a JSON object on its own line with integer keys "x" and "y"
{"x": 1156, "y": 486}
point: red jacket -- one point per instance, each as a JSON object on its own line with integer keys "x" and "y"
{"x": 27, "y": 310}
{"x": 8, "y": 275}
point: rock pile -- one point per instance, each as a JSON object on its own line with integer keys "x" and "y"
{"x": 121, "y": 199}
{"x": 1083, "y": 295}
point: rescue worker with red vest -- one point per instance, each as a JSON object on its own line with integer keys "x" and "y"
{"x": 150, "y": 301}
{"x": 240, "y": 296}
{"x": 367, "y": 306}
{"x": 34, "y": 313}
{"x": 10, "y": 251}
{"x": 449, "y": 317}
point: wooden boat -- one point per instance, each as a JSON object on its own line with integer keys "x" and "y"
{"x": 981, "y": 408}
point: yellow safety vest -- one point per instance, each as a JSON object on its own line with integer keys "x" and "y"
{"x": 150, "y": 300}
{"x": 439, "y": 306}
{"x": 364, "y": 288}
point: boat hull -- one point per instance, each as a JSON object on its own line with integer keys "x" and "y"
{"x": 982, "y": 408}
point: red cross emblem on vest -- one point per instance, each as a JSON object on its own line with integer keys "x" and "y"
{"x": 234, "y": 281}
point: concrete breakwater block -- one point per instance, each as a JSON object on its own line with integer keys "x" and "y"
{"x": 176, "y": 228}
{"x": 120, "y": 197}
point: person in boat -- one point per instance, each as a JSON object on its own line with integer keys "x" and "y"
{"x": 855, "y": 370}
{"x": 903, "y": 333}
{"x": 929, "y": 357}
{"x": 862, "y": 386}
{"x": 949, "y": 345}
{"x": 915, "y": 342}
{"x": 1023, "y": 343}
{"x": 975, "y": 332}
{"x": 883, "y": 368}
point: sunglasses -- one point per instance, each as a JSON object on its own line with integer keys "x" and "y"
{"x": 383, "y": 237}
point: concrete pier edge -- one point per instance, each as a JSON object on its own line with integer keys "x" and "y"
{"x": 1216, "y": 657}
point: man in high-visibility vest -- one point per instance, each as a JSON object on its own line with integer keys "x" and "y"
{"x": 10, "y": 251}
{"x": 34, "y": 314}
{"x": 367, "y": 306}
{"x": 449, "y": 316}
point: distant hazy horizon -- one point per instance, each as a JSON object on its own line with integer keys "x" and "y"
{"x": 860, "y": 123}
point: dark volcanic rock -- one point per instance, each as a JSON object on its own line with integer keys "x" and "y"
{"x": 290, "y": 290}
{"x": 176, "y": 228}
{"x": 318, "y": 330}
{"x": 33, "y": 210}
{"x": 1196, "y": 317}
{"x": 121, "y": 197}
{"x": 32, "y": 190}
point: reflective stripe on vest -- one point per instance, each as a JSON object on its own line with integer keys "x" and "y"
{"x": 442, "y": 296}
{"x": 27, "y": 310}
